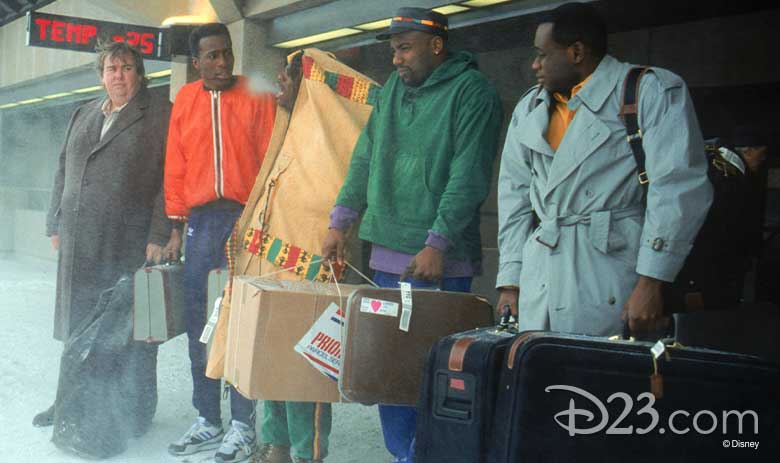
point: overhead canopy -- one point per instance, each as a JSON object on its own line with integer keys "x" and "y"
{"x": 347, "y": 23}
{"x": 12, "y": 9}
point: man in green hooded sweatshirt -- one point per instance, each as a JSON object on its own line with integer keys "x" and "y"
{"x": 419, "y": 173}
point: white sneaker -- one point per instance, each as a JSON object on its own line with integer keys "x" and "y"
{"x": 239, "y": 444}
{"x": 201, "y": 436}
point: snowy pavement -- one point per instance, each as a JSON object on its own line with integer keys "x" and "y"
{"x": 29, "y": 365}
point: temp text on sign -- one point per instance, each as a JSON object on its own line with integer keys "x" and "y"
{"x": 80, "y": 34}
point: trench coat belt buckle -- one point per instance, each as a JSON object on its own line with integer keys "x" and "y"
{"x": 600, "y": 223}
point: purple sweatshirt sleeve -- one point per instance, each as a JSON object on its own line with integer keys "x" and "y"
{"x": 342, "y": 217}
{"x": 437, "y": 241}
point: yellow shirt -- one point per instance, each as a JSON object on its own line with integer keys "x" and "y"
{"x": 561, "y": 117}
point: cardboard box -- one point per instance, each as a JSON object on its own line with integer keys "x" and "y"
{"x": 267, "y": 319}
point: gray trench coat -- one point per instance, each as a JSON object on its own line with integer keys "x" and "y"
{"x": 577, "y": 269}
{"x": 107, "y": 202}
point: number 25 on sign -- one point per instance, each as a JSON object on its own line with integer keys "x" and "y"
{"x": 144, "y": 41}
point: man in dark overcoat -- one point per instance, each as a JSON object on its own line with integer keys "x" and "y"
{"x": 107, "y": 214}
{"x": 107, "y": 208}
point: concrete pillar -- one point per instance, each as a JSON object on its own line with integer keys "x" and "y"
{"x": 255, "y": 57}
{"x": 227, "y": 11}
{"x": 182, "y": 72}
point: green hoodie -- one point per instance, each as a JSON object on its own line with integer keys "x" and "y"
{"x": 425, "y": 160}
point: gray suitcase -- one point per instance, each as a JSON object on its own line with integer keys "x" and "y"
{"x": 158, "y": 303}
{"x": 218, "y": 279}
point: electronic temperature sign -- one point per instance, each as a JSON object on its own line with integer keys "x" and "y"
{"x": 80, "y": 34}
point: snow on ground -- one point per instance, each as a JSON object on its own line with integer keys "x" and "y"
{"x": 29, "y": 362}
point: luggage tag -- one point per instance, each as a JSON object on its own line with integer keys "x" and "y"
{"x": 208, "y": 330}
{"x": 656, "y": 379}
{"x": 406, "y": 306}
{"x": 732, "y": 158}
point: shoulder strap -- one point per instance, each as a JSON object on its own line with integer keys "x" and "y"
{"x": 629, "y": 114}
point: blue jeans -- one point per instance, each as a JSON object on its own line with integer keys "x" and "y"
{"x": 399, "y": 423}
{"x": 208, "y": 229}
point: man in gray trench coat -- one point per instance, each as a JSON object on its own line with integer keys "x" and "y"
{"x": 107, "y": 211}
{"x": 602, "y": 250}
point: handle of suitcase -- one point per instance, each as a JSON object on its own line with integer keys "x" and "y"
{"x": 166, "y": 263}
{"x": 456, "y": 396}
{"x": 667, "y": 333}
{"x": 508, "y": 322}
{"x": 455, "y": 391}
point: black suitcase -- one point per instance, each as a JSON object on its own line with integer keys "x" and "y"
{"x": 567, "y": 398}
{"x": 456, "y": 405}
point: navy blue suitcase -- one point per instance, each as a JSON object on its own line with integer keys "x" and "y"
{"x": 456, "y": 404}
{"x": 567, "y": 398}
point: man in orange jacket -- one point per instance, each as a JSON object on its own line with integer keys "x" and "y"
{"x": 217, "y": 139}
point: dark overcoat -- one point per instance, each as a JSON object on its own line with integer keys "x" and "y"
{"x": 107, "y": 202}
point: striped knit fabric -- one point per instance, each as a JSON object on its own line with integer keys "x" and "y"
{"x": 359, "y": 90}
{"x": 285, "y": 255}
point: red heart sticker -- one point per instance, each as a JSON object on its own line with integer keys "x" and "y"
{"x": 375, "y": 306}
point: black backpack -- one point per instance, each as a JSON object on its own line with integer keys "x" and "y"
{"x": 713, "y": 274}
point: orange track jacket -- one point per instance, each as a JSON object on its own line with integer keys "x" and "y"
{"x": 216, "y": 144}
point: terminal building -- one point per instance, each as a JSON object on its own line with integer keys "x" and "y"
{"x": 723, "y": 49}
